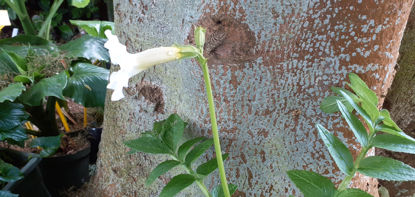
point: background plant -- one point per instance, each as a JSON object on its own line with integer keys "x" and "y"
{"x": 382, "y": 133}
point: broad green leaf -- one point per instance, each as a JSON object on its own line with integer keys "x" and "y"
{"x": 197, "y": 151}
{"x": 21, "y": 44}
{"x": 23, "y": 79}
{"x": 357, "y": 108}
{"x": 340, "y": 153}
{"x": 52, "y": 86}
{"x": 393, "y": 131}
{"x": 394, "y": 143}
{"x": 148, "y": 145}
{"x": 362, "y": 90}
{"x": 386, "y": 169}
{"x": 11, "y": 92}
{"x": 87, "y": 85}
{"x": 337, "y": 91}
{"x": 173, "y": 128}
{"x": 210, "y": 166}
{"x": 352, "y": 193}
{"x": 80, "y": 3}
{"x": 18, "y": 61}
{"x": 9, "y": 173}
{"x": 48, "y": 145}
{"x": 11, "y": 115}
{"x": 7, "y": 194}
{"x": 312, "y": 184}
{"x": 7, "y": 66}
{"x": 88, "y": 47}
{"x": 355, "y": 125}
{"x": 387, "y": 120}
{"x": 15, "y": 135}
{"x": 160, "y": 170}
{"x": 329, "y": 104}
{"x": 185, "y": 147}
{"x": 177, "y": 184}
{"x": 218, "y": 190}
{"x": 94, "y": 28}
{"x": 370, "y": 109}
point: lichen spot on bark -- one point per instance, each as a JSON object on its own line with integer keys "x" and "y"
{"x": 228, "y": 40}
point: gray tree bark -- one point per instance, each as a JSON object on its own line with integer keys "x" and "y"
{"x": 271, "y": 63}
{"x": 400, "y": 100}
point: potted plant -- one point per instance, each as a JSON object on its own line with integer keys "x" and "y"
{"x": 37, "y": 77}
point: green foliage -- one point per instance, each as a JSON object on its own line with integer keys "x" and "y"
{"x": 48, "y": 145}
{"x": 80, "y": 3}
{"x": 165, "y": 139}
{"x": 94, "y": 28}
{"x": 9, "y": 173}
{"x": 312, "y": 184}
{"x": 11, "y": 92}
{"x": 218, "y": 190}
{"x": 382, "y": 132}
{"x": 12, "y": 117}
{"x": 88, "y": 47}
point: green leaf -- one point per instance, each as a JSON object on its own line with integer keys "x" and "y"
{"x": 210, "y": 166}
{"x": 329, "y": 104}
{"x": 394, "y": 143}
{"x": 387, "y": 120}
{"x": 386, "y": 169}
{"x": 160, "y": 170}
{"x": 66, "y": 32}
{"x": 94, "y": 28}
{"x": 337, "y": 91}
{"x": 362, "y": 90}
{"x": 7, "y": 65}
{"x": 87, "y": 85}
{"x": 80, "y": 3}
{"x": 218, "y": 190}
{"x": 177, "y": 184}
{"x": 23, "y": 79}
{"x": 88, "y": 47}
{"x": 355, "y": 125}
{"x": 17, "y": 61}
{"x": 352, "y": 193}
{"x": 7, "y": 194}
{"x": 185, "y": 147}
{"x": 49, "y": 145}
{"x": 172, "y": 131}
{"x": 21, "y": 44}
{"x": 197, "y": 151}
{"x": 9, "y": 173}
{"x": 312, "y": 184}
{"x": 52, "y": 86}
{"x": 12, "y": 117}
{"x": 11, "y": 92}
{"x": 148, "y": 144}
{"x": 370, "y": 109}
{"x": 340, "y": 153}
{"x": 393, "y": 131}
{"x": 357, "y": 108}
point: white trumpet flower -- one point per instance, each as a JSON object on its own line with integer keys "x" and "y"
{"x": 132, "y": 64}
{"x": 4, "y": 19}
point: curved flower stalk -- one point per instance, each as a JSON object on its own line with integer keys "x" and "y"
{"x": 132, "y": 64}
{"x": 4, "y": 19}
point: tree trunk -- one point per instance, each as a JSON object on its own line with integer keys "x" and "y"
{"x": 271, "y": 64}
{"x": 401, "y": 103}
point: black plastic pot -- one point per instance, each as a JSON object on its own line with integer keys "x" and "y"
{"x": 94, "y": 137}
{"x": 63, "y": 172}
{"x": 32, "y": 183}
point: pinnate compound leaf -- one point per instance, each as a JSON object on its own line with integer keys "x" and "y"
{"x": 94, "y": 28}
{"x": 87, "y": 47}
{"x": 160, "y": 170}
{"x": 172, "y": 131}
{"x": 185, "y": 147}
{"x": 340, "y": 153}
{"x": 80, "y": 3}
{"x": 177, "y": 184}
{"x": 386, "y": 169}
{"x": 357, "y": 108}
{"x": 52, "y": 86}
{"x": 148, "y": 144}
{"x": 210, "y": 166}
{"x": 11, "y": 92}
{"x": 49, "y": 145}
{"x": 197, "y": 151}
{"x": 312, "y": 184}
{"x": 87, "y": 85}
{"x": 362, "y": 90}
{"x": 355, "y": 125}
{"x": 218, "y": 190}
{"x": 352, "y": 193}
{"x": 9, "y": 173}
{"x": 394, "y": 143}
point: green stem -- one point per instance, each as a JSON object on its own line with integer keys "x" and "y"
{"x": 19, "y": 7}
{"x": 216, "y": 141}
{"x": 199, "y": 183}
{"x": 45, "y": 29}
{"x": 346, "y": 181}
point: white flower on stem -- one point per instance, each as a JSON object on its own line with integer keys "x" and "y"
{"x": 132, "y": 64}
{"x": 4, "y": 19}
